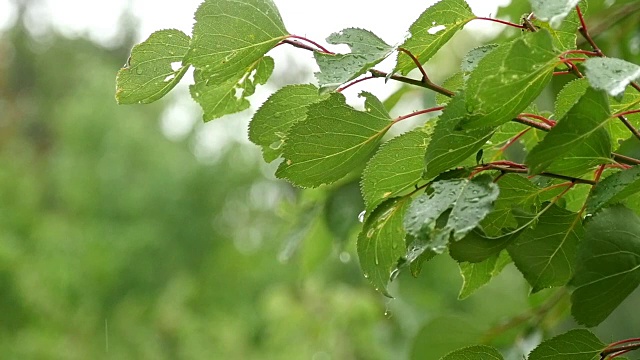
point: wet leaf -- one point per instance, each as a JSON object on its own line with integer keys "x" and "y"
{"x": 381, "y": 242}
{"x": 614, "y": 188}
{"x": 476, "y": 352}
{"x": 154, "y": 68}
{"x": 476, "y": 275}
{"x": 546, "y": 254}
{"x": 366, "y": 51}
{"x": 450, "y": 146}
{"x": 432, "y": 30}
{"x": 516, "y": 72}
{"x": 608, "y": 264}
{"x": 271, "y": 123}
{"x": 229, "y": 41}
{"x": 577, "y": 344}
{"x": 464, "y": 203}
{"x": 553, "y": 11}
{"x": 332, "y": 140}
{"x": 610, "y": 74}
{"x": 397, "y": 166}
{"x": 578, "y": 142}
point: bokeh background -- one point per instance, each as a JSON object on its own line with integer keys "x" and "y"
{"x": 138, "y": 232}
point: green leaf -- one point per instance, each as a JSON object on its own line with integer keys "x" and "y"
{"x": 381, "y": 242}
{"x": 271, "y": 123}
{"x": 450, "y": 146}
{"x": 577, "y": 344}
{"x": 614, "y": 188}
{"x": 471, "y": 60}
{"x": 469, "y": 201}
{"x": 396, "y": 166}
{"x": 610, "y": 74}
{"x": 553, "y": 11}
{"x": 154, "y": 68}
{"x": 630, "y": 100}
{"x": 218, "y": 99}
{"x": 545, "y": 255}
{"x": 608, "y": 264}
{"x": 578, "y": 141}
{"x": 516, "y": 72}
{"x": 432, "y": 30}
{"x": 565, "y": 35}
{"x": 367, "y": 50}
{"x": 477, "y": 246}
{"x": 515, "y": 190}
{"x": 476, "y": 275}
{"x": 229, "y": 41}
{"x": 476, "y": 352}
{"x": 333, "y": 140}
{"x": 454, "y": 83}
{"x": 569, "y": 96}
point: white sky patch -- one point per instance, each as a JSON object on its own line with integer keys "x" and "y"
{"x": 176, "y": 65}
{"x": 436, "y": 29}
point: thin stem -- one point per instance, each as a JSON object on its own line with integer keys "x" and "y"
{"x": 629, "y": 112}
{"x": 584, "y": 52}
{"x": 519, "y": 26}
{"x": 298, "y": 44}
{"x": 629, "y": 125}
{"x": 355, "y": 82}
{"x": 625, "y": 159}
{"x": 524, "y": 170}
{"x": 585, "y": 33}
{"x": 541, "y": 118}
{"x": 617, "y": 351}
{"x": 429, "y": 85}
{"x": 566, "y": 72}
{"x": 514, "y": 139}
{"x": 312, "y": 42}
{"x": 531, "y": 123}
{"x": 425, "y": 78}
{"x": 416, "y": 113}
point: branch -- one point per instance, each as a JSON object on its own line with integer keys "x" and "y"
{"x": 429, "y": 85}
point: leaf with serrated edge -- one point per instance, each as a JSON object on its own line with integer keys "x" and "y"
{"x": 577, "y": 344}
{"x": 545, "y": 255}
{"x": 516, "y": 72}
{"x": 608, "y": 264}
{"x": 366, "y": 51}
{"x": 397, "y": 165}
{"x": 515, "y": 190}
{"x": 432, "y": 30}
{"x": 332, "y": 140}
{"x": 553, "y": 11}
{"x": 565, "y": 35}
{"x": 154, "y": 68}
{"x": 229, "y": 97}
{"x": 610, "y": 74}
{"x": 614, "y": 188}
{"x": 476, "y": 352}
{"x": 469, "y": 201}
{"x": 578, "y": 141}
{"x": 381, "y": 242}
{"x": 570, "y": 94}
{"x": 471, "y": 60}
{"x": 477, "y": 275}
{"x": 229, "y": 40}
{"x": 449, "y": 147}
{"x": 272, "y": 121}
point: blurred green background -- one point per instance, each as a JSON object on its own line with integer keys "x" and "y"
{"x": 119, "y": 240}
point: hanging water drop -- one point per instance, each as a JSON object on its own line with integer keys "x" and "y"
{"x": 361, "y": 215}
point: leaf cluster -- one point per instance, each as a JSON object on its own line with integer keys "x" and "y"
{"x": 565, "y": 214}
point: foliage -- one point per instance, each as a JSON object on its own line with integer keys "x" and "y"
{"x": 499, "y": 180}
